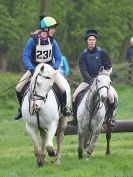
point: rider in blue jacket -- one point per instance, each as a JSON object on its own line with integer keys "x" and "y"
{"x": 41, "y": 48}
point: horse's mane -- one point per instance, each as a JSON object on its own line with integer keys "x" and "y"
{"x": 103, "y": 71}
{"x": 42, "y": 67}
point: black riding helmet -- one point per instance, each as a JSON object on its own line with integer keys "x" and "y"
{"x": 91, "y": 32}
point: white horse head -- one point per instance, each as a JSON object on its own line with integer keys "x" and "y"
{"x": 41, "y": 83}
{"x": 102, "y": 83}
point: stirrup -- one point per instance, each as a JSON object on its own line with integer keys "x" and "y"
{"x": 67, "y": 111}
{"x": 112, "y": 122}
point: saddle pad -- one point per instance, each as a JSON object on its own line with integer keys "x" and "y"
{"x": 25, "y": 89}
{"x": 81, "y": 95}
{"x": 57, "y": 94}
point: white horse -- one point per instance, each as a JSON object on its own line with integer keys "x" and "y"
{"x": 41, "y": 111}
{"x": 91, "y": 113}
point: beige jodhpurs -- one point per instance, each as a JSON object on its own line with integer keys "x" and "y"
{"x": 20, "y": 85}
{"x": 83, "y": 85}
{"x": 59, "y": 82}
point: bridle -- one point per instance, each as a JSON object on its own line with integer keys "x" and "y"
{"x": 97, "y": 106}
{"x": 33, "y": 96}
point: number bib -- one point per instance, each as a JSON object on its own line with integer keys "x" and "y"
{"x": 44, "y": 53}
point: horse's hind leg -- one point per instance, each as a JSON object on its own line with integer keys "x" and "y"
{"x": 81, "y": 145}
{"x": 60, "y": 136}
{"x": 33, "y": 133}
{"x": 108, "y": 137}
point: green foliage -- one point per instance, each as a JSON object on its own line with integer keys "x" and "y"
{"x": 16, "y": 23}
{"x": 112, "y": 19}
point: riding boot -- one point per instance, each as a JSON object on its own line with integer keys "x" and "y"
{"x": 111, "y": 120}
{"x": 19, "y": 114}
{"x": 74, "y": 108}
{"x": 65, "y": 110}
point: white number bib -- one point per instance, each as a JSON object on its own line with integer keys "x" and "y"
{"x": 43, "y": 52}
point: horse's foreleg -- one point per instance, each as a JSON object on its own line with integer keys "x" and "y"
{"x": 92, "y": 141}
{"x": 33, "y": 133}
{"x": 108, "y": 137}
{"x": 49, "y": 144}
{"x": 81, "y": 144}
{"x": 60, "y": 136}
{"x": 43, "y": 137}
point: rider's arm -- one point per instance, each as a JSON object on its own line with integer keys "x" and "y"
{"x": 27, "y": 54}
{"x": 56, "y": 54}
{"x": 83, "y": 68}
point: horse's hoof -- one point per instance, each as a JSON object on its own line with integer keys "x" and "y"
{"x": 108, "y": 153}
{"x": 80, "y": 157}
{"x": 40, "y": 163}
{"x": 52, "y": 154}
{"x": 87, "y": 158}
{"x": 51, "y": 151}
{"x": 57, "y": 162}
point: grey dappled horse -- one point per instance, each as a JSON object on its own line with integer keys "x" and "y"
{"x": 91, "y": 113}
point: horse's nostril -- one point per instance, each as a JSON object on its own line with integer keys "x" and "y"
{"x": 103, "y": 98}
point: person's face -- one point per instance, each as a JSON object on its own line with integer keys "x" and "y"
{"x": 52, "y": 31}
{"x": 91, "y": 42}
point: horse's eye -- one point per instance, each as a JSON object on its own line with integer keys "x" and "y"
{"x": 48, "y": 77}
{"x": 38, "y": 83}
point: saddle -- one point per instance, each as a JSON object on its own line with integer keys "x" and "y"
{"x": 81, "y": 95}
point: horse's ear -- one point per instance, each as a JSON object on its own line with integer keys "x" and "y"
{"x": 42, "y": 68}
{"x": 110, "y": 71}
{"x": 101, "y": 69}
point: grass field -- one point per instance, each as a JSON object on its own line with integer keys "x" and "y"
{"x": 16, "y": 150}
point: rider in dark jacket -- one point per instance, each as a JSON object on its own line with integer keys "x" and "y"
{"x": 90, "y": 61}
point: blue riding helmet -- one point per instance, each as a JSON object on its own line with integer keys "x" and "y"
{"x": 48, "y": 22}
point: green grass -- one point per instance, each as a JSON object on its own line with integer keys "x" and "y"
{"x": 16, "y": 150}
{"x": 17, "y": 158}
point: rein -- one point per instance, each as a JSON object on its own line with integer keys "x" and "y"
{"x": 96, "y": 106}
{"x": 15, "y": 84}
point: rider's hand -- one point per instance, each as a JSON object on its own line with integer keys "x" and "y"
{"x": 55, "y": 67}
{"x": 32, "y": 71}
{"x": 91, "y": 81}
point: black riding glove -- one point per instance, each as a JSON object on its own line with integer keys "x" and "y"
{"x": 55, "y": 67}
{"x": 32, "y": 71}
{"x": 91, "y": 81}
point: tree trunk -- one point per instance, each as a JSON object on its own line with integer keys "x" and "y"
{"x": 3, "y": 64}
{"x": 44, "y": 7}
